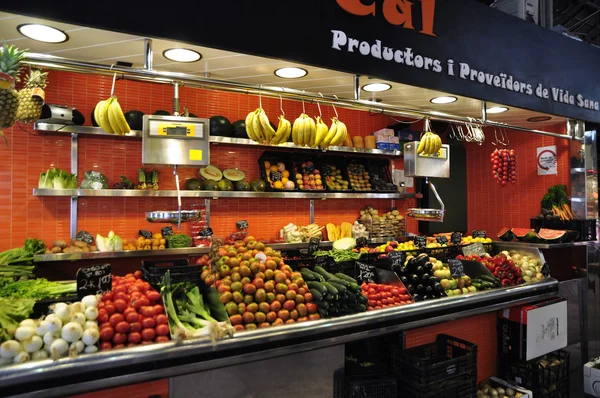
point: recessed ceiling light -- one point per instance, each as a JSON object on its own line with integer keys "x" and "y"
{"x": 539, "y": 119}
{"x": 182, "y": 55}
{"x": 291, "y": 73}
{"x": 44, "y": 33}
{"x": 497, "y": 109}
{"x": 443, "y": 100}
{"x": 376, "y": 87}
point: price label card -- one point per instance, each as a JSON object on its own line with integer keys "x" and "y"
{"x": 420, "y": 241}
{"x": 546, "y": 270}
{"x": 166, "y": 231}
{"x": 145, "y": 234}
{"x": 442, "y": 240}
{"x": 365, "y": 272}
{"x": 479, "y": 234}
{"x": 206, "y": 232}
{"x": 456, "y": 238}
{"x": 362, "y": 242}
{"x": 456, "y": 268}
{"x": 242, "y": 224}
{"x": 313, "y": 245}
{"x": 321, "y": 261}
{"x": 85, "y": 236}
{"x": 474, "y": 249}
{"x": 397, "y": 259}
{"x": 95, "y": 279}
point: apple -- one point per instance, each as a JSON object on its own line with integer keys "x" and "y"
{"x": 389, "y": 249}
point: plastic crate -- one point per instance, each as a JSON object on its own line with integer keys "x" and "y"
{"x": 372, "y": 356}
{"x": 379, "y": 170}
{"x": 464, "y": 386}
{"x": 364, "y": 387}
{"x": 557, "y": 390}
{"x": 275, "y": 158}
{"x": 534, "y": 375}
{"x": 351, "y": 163}
{"x": 297, "y": 168}
{"x": 339, "y": 164}
{"x": 585, "y": 228}
{"x": 432, "y": 363}
{"x": 181, "y": 271}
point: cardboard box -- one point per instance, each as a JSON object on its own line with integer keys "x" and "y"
{"x": 383, "y": 133}
{"x": 383, "y": 146}
{"x": 532, "y": 330}
{"x": 394, "y": 143}
{"x": 382, "y": 138}
{"x": 591, "y": 378}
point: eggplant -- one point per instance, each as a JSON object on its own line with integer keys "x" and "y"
{"x": 417, "y": 297}
{"x": 420, "y": 289}
{"x": 438, "y": 288}
{"x": 414, "y": 278}
{"x": 404, "y": 280}
{"x": 434, "y": 279}
{"x": 426, "y": 278}
{"x": 429, "y": 290}
{"x": 420, "y": 270}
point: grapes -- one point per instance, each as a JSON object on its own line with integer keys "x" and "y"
{"x": 504, "y": 166}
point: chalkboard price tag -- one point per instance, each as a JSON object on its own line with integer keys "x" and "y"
{"x": 321, "y": 261}
{"x": 313, "y": 245}
{"x": 242, "y": 224}
{"x": 375, "y": 177}
{"x": 361, "y": 242}
{"x": 456, "y": 268}
{"x": 145, "y": 234}
{"x": 442, "y": 240}
{"x": 397, "y": 259}
{"x": 474, "y": 249}
{"x": 546, "y": 270}
{"x": 206, "y": 232}
{"x": 95, "y": 279}
{"x": 85, "y": 236}
{"x": 166, "y": 231}
{"x": 456, "y": 238}
{"x": 420, "y": 241}
{"x": 479, "y": 234}
{"x": 365, "y": 272}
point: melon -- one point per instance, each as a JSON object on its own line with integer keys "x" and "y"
{"x": 193, "y": 184}
{"x": 532, "y": 237}
{"x": 211, "y": 173}
{"x": 241, "y": 185}
{"x": 552, "y": 235}
{"x": 135, "y": 119}
{"x": 506, "y": 235}
{"x": 209, "y": 185}
{"x": 234, "y": 174}
{"x": 225, "y": 185}
{"x": 521, "y": 232}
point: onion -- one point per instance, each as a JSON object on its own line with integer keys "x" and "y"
{"x": 77, "y": 346}
{"x": 33, "y": 344}
{"x": 71, "y": 332}
{"x": 90, "y": 336}
{"x": 24, "y": 332}
{"x": 90, "y": 325}
{"x": 77, "y": 307}
{"x": 90, "y": 349}
{"x": 49, "y": 338}
{"x": 59, "y": 347}
{"x": 27, "y": 322}
{"x": 54, "y": 323}
{"x": 38, "y": 355}
{"x": 79, "y": 318}
{"x": 90, "y": 301}
{"x": 91, "y": 313}
{"x": 10, "y": 348}
{"x": 42, "y": 328}
{"x": 62, "y": 311}
{"x": 21, "y": 357}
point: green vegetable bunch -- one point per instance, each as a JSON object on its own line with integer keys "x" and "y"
{"x": 178, "y": 240}
{"x": 57, "y": 179}
{"x": 38, "y": 289}
{"x": 18, "y": 262}
{"x": 12, "y": 312}
{"x": 557, "y": 196}
{"x": 339, "y": 255}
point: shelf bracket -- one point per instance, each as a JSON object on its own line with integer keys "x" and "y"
{"x": 74, "y": 164}
{"x": 312, "y": 211}
{"x": 207, "y": 211}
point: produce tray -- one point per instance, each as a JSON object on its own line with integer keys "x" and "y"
{"x": 372, "y": 356}
{"x": 428, "y": 364}
{"x": 297, "y": 164}
{"x": 558, "y": 390}
{"x": 350, "y": 162}
{"x": 379, "y": 171}
{"x": 464, "y": 386}
{"x": 181, "y": 271}
{"x": 533, "y": 375}
{"x": 339, "y": 164}
{"x": 364, "y": 387}
{"x": 585, "y": 228}
{"x": 274, "y": 158}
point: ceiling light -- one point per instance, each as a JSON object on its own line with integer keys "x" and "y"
{"x": 182, "y": 55}
{"x": 443, "y": 100}
{"x": 539, "y": 119}
{"x": 291, "y": 73}
{"x": 44, "y": 33}
{"x": 497, "y": 109}
{"x": 376, "y": 87}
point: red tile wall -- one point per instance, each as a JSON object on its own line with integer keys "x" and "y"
{"x": 29, "y": 153}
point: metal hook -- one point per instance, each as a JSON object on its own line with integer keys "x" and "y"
{"x": 335, "y": 110}
{"x": 303, "y": 107}
{"x": 319, "y": 106}
{"x": 112, "y": 89}
{"x": 260, "y": 98}
{"x": 281, "y": 105}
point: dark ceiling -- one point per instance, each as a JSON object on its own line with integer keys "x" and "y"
{"x": 581, "y": 18}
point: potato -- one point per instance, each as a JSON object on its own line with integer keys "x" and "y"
{"x": 68, "y": 249}
{"x": 80, "y": 244}
{"x": 60, "y": 243}
{"x": 93, "y": 248}
{"x": 56, "y": 249}
{"x": 85, "y": 249}
{"x": 75, "y": 249}
{"x": 48, "y": 251}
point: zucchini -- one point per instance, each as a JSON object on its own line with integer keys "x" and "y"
{"x": 331, "y": 289}
{"x": 358, "y": 308}
{"x": 354, "y": 288}
{"x": 324, "y": 313}
{"x": 333, "y": 311}
{"x": 318, "y": 286}
{"x": 487, "y": 278}
{"x": 345, "y": 277}
{"x": 316, "y": 294}
{"x": 322, "y": 304}
{"x": 352, "y": 299}
{"x": 341, "y": 288}
{"x": 308, "y": 275}
{"x": 339, "y": 281}
{"x": 487, "y": 285}
{"x": 321, "y": 271}
{"x": 478, "y": 286}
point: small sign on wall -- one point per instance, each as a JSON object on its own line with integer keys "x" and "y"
{"x": 547, "y": 160}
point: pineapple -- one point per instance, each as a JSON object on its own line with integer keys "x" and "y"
{"x": 31, "y": 97}
{"x": 10, "y": 66}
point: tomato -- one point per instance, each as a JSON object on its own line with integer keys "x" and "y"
{"x": 406, "y": 297}
{"x": 148, "y": 334}
{"x": 122, "y": 327}
{"x": 120, "y": 295}
{"x": 377, "y": 307}
{"x": 384, "y": 306}
{"x": 159, "y": 309}
{"x": 134, "y": 338}
{"x": 140, "y": 302}
{"x": 115, "y": 318}
{"x": 397, "y": 299}
{"x": 402, "y": 290}
{"x": 128, "y": 310}
{"x": 120, "y": 305}
{"x": 106, "y": 345}
{"x": 372, "y": 285}
{"x": 102, "y": 316}
{"x": 107, "y": 296}
{"x": 146, "y": 342}
{"x": 148, "y": 323}
{"x": 153, "y": 295}
{"x": 110, "y": 309}
{"x": 148, "y": 312}
{"x": 372, "y": 291}
{"x": 372, "y": 303}
{"x": 138, "y": 274}
{"x": 161, "y": 339}
{"x": 308, "y": 297}
{"x": 379, "y": 303}
{"x": 118, "y": 346}
{"x": 132, "y": 316}
{"x": 119, "y": 338}
{"x": 130, "y": 279}
{"x": 161, "y": 319}
{"x": 135, "y": 327}
{"x": 135, "y": 295}
{"x": 387, "y": 288}
{"x": 128, "y": 275}
{"x": 395, "y": 292}
{"x": 162, "y": 329}
{"x": 107, "y": 333}
{"x": 132, "y": 289}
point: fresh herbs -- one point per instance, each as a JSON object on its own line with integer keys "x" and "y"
{"x": 178, "y": 240}
{"x": 18, "y": 262}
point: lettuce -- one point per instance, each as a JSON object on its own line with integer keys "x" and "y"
{"x": 111, "y": 243}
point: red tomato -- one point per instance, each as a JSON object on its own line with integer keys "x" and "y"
{"x": 100, "y": 305}
{"x": 120, "y": 295}
{"x": 377, "y": 307}
{"x": 138, "y": 274}
{"x": 130, "y": 279}
{"x": 161, "y": 319}
{"x": 119, "y": 289}
{"x": 106, "y": 345}
{"x": 372, "y": 303}
{"x": 395, "y": 292}
{"x": 387, "y": 288}
{"x": 134, "y": 288}
{"x": 122, "y": 327}
{"x": 110, "y": 309}
{"x": 117, "y": 346}
{"x": 120, "y": 305}
{"x": 102, "y": 315}
{"x": 135, "y": 327}
{"x": 159, "y": 309}
{"x": 161, "y": 339}
{"x": 406, "y": 297}
{"x": 140, "y": 302}
{"x": 397, "y": 299}
{"x": 153, "y": 295}
{"x": 128, "y": 310}
{"x": 146, "y": 342}
{"x": 132, "y": 316}
{"x": 372, "y": 291}
{"x": 148, "y": 323}
{"x": 119, "y": 338}
{"x": 372, "y": 285}
{"x": 402, "y": 290}
{"x": 148, "y": 312}
{"x": 128, "y": 275}
{"x": 384, "y": 306}
{"x": 135, "y": 295}
{"x": 379, "y": 303}
{"x": 107, "y": 333}
{"x": 107, "y": 296}
{"x": 148, "y": 334}
{"x": 162, "y": 329}
{"x": 134, "y": 338}
{"x": 115, "y": 318}
{"x": 147, "y": 287}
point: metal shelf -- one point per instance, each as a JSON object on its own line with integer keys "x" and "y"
{"x": 219, "y": 194}
{"x": 186, "y": 251}
{"x": 97, "y": 131}
{"x": 525, "y": 245}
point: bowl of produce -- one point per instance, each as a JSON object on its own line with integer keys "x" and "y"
{"x": 173, "y": 216}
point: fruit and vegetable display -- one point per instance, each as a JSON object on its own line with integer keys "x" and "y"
{"x": 453, "y": 286}
{"x": 489, "y": 389}
{"x": 555, "y": 204}
{"x": 124, "y": 183}
{"x": 417, "y": 275}
{"x": 68, "y": 330}
{"x": 390, "y": 224}
{"x": 110, "y": 243}
{"x": 146, "y": 241}
{"x": 359, "y": 230}
{"x": 504, "y": 166}
{"x": 278, "y": 176}
{"x": 307, "y": 176}
{"x": 38, "y": 289}
{"x": 132, "y": 313}
{"x": 502, "y": 267}
{"x": 110, "y": 117}
{"x": 10, "y": 68}
{"x": 18, "y": 262}
{"x": 213, "y": 179}
{"x": 71, "y": 246}
{"x": 544, "y": 235}
{"x": 292, "y": 233}
{"x": 259, "y": 128}
{"x": 304, "y": 131}
{"x": 360, "y": 180}
{"x": 469, "y": 239}
{"x": 94, "y": 180}
{"x": 57, "y": 179}
{"x": 383, "y": 296}
{"x": 344, "y": 230}
{"x": 147, "y": 179}
{"x": 430, "y": 144}
{"x": 333, "y": 178}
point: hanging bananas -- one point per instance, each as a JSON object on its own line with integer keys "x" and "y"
{"x": 321, "y": 131}
{"x": 336, "y": 135}
{"x": 304, "y": 131}
{"x": 110, "y": 117}
{"x": 284, "y": 129}
{"x": 430, "y": 144}
{"x": 260, "y": 130}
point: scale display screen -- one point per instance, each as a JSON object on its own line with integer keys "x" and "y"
{"x": 177, "y": 131}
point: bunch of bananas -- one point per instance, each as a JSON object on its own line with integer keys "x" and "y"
{"x": 110, "y": 117}
{"x": 336, "y": 135}
{"x": 259, "y": 129}
{"x": 430, "y": 144}
{"x": 304, "y": 131}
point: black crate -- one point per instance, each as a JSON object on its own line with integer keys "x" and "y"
{"x": 297, "y": 162}
{"x": 339, "y": 164}
{"x": 432, "y": 363}
{"x": 464, "y": 386}
{"x": 556, "y": 390}
{"x": 350, "y": 163}
{"x": 380, "y": 173}
{"x": 585, "y": 228}
{"x": 181, "y": 271}
{"x": 534, "y": 375}
{"x": 274, "y": 158}
{"x": 364, "y": 387}
{"x": 372, "y": 356}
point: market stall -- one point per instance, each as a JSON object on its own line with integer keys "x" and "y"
{"x": 290, "y": 213}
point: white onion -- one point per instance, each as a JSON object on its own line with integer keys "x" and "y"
{"x": 27, "y": 322}
{"x": 38, "y": 355}
{"x": 49, "y": 338}
{"x": 77, "y": 307}
{"x": 33, "y": 344}
{"x": 90, "y": 325}
{"x": 53, "y": 323}
{"x": 42, "y": 328}
{"x": 59, "y": 347}
{"x": 90, "y": 301}
{"x": 91, "y": 313}
{"x": 79, "y": 318}
{"x": 90, "y": 336}
{"x": 71, "y": 332}
{"x": 77, "y": 346}
{"x": 62, "y": 312}
{"x": 21, "y": 357}
{"x": 24, "y": 332}
{"x": 90, "y": 349}
{"x": 10, "y": 348}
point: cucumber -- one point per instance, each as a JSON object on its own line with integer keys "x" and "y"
{"x": 318, "y": 286}
{"x": 345, "y": 277}
{"x": 333, "y": 311}
{"x": 324, "y": 313}
{"x": 321, "y": 271}
{"x": 322, "y": 304}
{"x": 352, "y": 299}
{"x": 487, "y": 285}
{"x": 316, "y": 294}
{"x": 487, "y": 278}
{"x": 339, "y": 281}
{"x": 331, "y": 289}
{"x": 341, "y": 288}
{"x": 308, "y": 275}
{"x": 362, "y": 299}
{"x": 354, "y": 288}
{"x": 358, "y": 308}
{"x": 477, "y": 285}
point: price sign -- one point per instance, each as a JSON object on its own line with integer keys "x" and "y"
{"x": 95, "y": 279}
{"x": 365, "y": 272}
{"x": 374, "y": 177}
{"x": 479, "y": 234}
{"x": 420, "y": 241}
{"x": 321, "y": 261}
{"x": 474, "y": 249}
{"x": 442, "y": 240}
{"x": 397, "y": 259}
{"x": 546, "y": 270}
{"x": 85, "y": 236}
{"x": 145, "y": 234}
{"x": 242, "y": 224}
{"x": 313, "y": 245}
{"x": 456, "y": 268}
{"x": 361, "y": 242}
{"x": 456, "y": 238}
{"x": 206, "y": 232}
{"x": 166, "y": 231}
